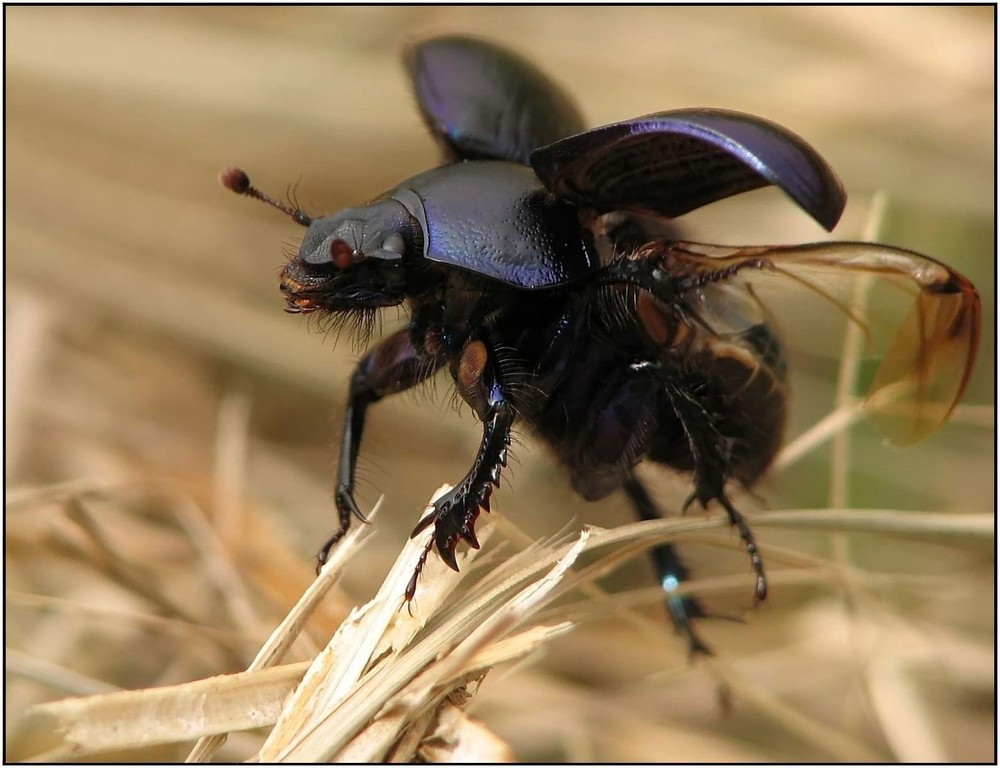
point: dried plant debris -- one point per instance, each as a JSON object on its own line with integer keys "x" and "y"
{"x": 393, "y": 682}
{"x": 381, "y": 685}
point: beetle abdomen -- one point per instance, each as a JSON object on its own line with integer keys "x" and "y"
{"x": 494, "y": 218}
{"x": 734, "y": 407}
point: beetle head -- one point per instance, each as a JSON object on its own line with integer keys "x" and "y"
{"x": 352, "y": 260}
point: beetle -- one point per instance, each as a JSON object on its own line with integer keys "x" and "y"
{"x": 541, "y": 265}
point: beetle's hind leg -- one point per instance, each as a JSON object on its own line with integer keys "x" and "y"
{"x": 711, "y": 456}
{"x": 725, "y": 414}
{"x": 670, "y": 570}
{"x": 749, "y": 541}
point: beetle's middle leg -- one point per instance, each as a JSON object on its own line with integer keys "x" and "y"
{"x": 454, "y": 514}
{"x": 394, "y": 365}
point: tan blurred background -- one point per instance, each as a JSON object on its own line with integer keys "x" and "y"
{"x": 147, "y": 350}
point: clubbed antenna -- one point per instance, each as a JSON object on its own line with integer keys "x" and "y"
{"x": 237, "y": 181}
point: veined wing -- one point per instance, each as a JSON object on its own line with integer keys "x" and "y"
{"x": 920, "y": 318}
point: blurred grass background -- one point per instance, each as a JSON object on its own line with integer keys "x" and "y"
{"x": 153, "y": 381}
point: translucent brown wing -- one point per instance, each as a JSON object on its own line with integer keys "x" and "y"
{"x": 920, "y": 318}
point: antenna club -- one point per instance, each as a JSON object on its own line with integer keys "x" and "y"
{"x": 235, "y": 180}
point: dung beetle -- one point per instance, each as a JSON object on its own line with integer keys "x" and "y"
{"x": 540, "y": 264}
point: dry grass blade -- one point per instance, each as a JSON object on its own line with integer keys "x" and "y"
{"x": 229, "y": 477}
{"x": 277, "y": 645}
{"x": 829, "y": 426}
{"x": 220, "y": 571}
{"x": 109, "y": 615}
{"x": 59, "y": 677}
{"x": 973, "y": 528}
{"x": 132, "y": 719}
{"x": 346, "y": 657}
{"x": 456, "y": 738}
{"x": 121, "y": 565}
{"x": 903, "y": 714}
{"x": 406, "y": 683}
{"x": 25, "y": 499}
{"x": 404, "y": 723}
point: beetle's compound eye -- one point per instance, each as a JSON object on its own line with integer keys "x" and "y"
{"x": 394, "y": 244}
{"x": 342, "y": 254}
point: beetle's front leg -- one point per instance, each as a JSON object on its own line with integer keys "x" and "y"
{"x": 454, "y": 514}
{"x": 394, "y": 365}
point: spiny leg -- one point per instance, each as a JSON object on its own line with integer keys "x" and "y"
{"x": 454, "y": 514}
{"x": 670, "y": 570}
{"x": 411, "y": 585}
{"x": 709, "y": 452}
{"x": 396, "y": 364}
{"x": 749, "y": 542}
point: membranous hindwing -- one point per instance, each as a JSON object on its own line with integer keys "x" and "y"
{"x": 918, "y": 320}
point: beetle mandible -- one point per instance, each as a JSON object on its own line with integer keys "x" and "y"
{"x": 539, "y": 265}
